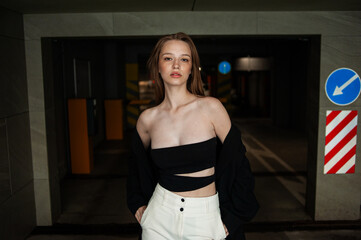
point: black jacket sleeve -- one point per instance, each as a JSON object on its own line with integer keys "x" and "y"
{"x": 235, "y": 185}
{"x": 141, "y": 180}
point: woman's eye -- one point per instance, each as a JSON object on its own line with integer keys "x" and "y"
{"x": 185, "y": 60}
{"x": 167, "y": 58}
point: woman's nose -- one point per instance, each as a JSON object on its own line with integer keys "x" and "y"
{"x": 176, "y": 64}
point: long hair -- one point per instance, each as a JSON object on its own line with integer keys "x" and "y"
{"x": 194, "y": 82}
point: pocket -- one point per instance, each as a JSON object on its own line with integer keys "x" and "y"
{"x": 144, "y": 216}
{"x": 150, "y": 206}
{"x": 222, "y": 231}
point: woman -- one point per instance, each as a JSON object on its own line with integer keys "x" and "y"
{"x": 172, "y": 188}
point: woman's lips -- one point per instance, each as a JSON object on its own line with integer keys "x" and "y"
{"x": 176, "y": 75}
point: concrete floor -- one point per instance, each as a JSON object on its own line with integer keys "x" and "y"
{"x": 278, "y": 159}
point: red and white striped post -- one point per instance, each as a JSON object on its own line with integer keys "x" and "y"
{"x": 340, "y": 144}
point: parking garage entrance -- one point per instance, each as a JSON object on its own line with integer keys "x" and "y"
{"x": 270, "y": 93}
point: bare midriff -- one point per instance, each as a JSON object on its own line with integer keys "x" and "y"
{"x": 206, "y": 191}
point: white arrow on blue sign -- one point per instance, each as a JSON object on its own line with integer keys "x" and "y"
{"x": 343, "y": 86}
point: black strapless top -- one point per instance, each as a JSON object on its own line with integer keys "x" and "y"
{"x": 187, "y": 158}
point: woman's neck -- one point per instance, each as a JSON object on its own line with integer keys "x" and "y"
{"x": 177, "y": 97}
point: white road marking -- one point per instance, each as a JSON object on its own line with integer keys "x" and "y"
{"x": 297, "y": 189}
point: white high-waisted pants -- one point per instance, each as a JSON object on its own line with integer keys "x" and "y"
{"x": 173, "y": 217}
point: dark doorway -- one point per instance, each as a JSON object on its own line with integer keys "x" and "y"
{"x": 273, "y": 107}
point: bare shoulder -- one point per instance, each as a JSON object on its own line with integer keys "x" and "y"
{"x": 144, "y": 124}
{"x": 210, "y": 104}
{"x": 217, "y": 114}
{"x": 146, "y": 119}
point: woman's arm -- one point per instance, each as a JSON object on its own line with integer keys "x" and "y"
{"x": 143, "y": 128}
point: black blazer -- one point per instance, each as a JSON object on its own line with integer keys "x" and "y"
{"x": 234, "y": 181}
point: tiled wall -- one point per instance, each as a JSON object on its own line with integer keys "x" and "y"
{"x": 340, "y": 47}
{"x": 17, "y": 205}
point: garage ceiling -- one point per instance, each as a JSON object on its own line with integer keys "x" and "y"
{"x": 79, "y": 6}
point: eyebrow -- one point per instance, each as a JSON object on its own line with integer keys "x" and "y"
{"x": 173, "y": 54}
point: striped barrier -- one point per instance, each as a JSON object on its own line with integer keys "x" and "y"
{"x": 132, "y": 92}
{"x": 132, "y": 114}
{"x": 340, "y": 142}
{"x": 224, "y": 84}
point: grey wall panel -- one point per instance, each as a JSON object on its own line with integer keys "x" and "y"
{"x": 17, "y": 204}
{"x": 13, "y": 85}
{"x": 340, "y": 52}
{"x": 38, "y": 145}
{"x": 188, "y": 22}
{"x": 11, "y": 24}
{"x": 19, "y": 151}
{"x": 43, "y": 202}
{"x": 17, "y": 214}
{"x": 325, "y": 23}
{"x": 5, "y": 220}
{"x": 23, "y": 212}
{"x": 86, "y": 24}
{"x": 33, "y": 52}
{"x": 5, "y": 190}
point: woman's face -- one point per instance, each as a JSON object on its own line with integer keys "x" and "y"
{"x": 175, "y": 62}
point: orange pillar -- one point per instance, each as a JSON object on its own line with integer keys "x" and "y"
{"x": 81, "y": 145}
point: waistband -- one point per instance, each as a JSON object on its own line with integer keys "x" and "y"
{"x": 195, "y": 205}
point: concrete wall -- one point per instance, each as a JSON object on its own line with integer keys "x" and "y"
{"x": 17, "y": 206}
{"x": 338, "y": 197}
{"x": 340, "y": 43}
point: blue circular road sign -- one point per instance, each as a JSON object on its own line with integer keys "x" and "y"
{"x": 224, "y": 67}
{"x": 343, "y": 86}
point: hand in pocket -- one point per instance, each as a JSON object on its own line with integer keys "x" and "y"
{"x": 226, "y": 230}
{"x": 139, "y": 213}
